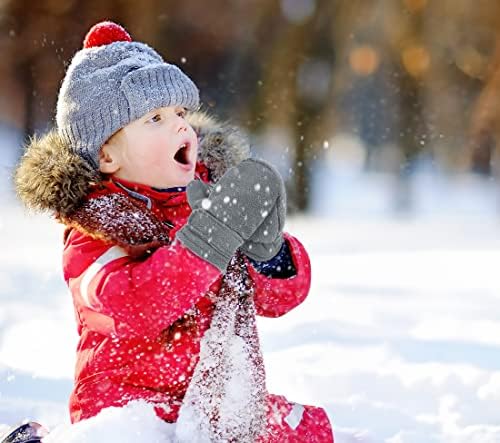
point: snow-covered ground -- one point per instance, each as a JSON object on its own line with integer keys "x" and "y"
{"x": 399, "y": 339}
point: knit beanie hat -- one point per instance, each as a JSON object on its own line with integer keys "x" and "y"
{"x": 111, "y": 82}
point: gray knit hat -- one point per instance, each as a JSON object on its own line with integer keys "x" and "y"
{"x": 111, "y": 82}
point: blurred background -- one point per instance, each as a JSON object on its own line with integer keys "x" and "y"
{"x": 391, "y": 103}
{"x": 383, "y": 117}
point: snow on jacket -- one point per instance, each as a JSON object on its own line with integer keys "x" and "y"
{"x": 142, "y": 300}
{"x": 140, "y": 321}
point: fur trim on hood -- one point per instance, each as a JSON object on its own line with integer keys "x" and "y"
{"x": 51, "y": 177}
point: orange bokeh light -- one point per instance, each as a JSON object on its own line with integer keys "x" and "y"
{"x": 364, "y": 60}
{"x": 416, "y": 60}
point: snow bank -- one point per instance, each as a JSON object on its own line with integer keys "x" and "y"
{"x": 134, "y": 422}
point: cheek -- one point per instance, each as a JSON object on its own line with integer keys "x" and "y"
{"x": 156, "y": 151}
{"x": 196, "y": 142}
{"x": 194, "y": 154}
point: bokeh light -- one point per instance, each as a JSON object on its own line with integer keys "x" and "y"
{"x": 416, "y": 60}
{"x": 364, "y": 60}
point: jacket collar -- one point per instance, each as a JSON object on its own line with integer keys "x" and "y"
{"x": 150, "y": 196}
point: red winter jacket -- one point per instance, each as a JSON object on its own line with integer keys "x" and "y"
{"x": 140, "y": 321}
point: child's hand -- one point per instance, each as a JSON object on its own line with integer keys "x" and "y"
{"x": 227, "y": 214}
{"x": 267, "y": 240}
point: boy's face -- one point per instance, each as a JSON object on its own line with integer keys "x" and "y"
{"x": 159, "y": 149}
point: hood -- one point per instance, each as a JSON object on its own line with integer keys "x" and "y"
{"x": 51, "y": 177}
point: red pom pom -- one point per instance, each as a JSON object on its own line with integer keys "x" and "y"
{"x": 105, "y": 33}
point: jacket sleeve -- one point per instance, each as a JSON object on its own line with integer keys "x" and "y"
{"x": 275, "y": 297}
{"x": 117, "y": 295}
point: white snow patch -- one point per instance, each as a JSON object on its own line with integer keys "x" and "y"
{"x": 397, "y": 339}
{"x": 135, "y": 422}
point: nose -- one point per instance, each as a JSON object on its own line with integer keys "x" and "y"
{"x": 181, "y": 125}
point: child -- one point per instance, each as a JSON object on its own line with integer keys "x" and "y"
{"x": 154, "y": 258}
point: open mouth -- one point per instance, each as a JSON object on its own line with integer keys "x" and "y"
{"x": 181, "y": 156}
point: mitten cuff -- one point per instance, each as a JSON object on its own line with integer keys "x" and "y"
{"x": 263, "y": 251}
{"x": 280, "y": 266}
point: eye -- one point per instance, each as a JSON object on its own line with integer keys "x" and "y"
{"x": 155, "y": 119}
{"x": 181, "y": 112}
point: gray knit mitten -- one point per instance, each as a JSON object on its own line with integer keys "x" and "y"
{"x": 267, "y": 240}
{"x": 226, "y": 214}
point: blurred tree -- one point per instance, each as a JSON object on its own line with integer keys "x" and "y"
{"x": 411, "y": 58}
{"x": 383, "y": 84}
{"x": 461, "y": 84}
{"x": 296, "y": 88}
{"x": 485, "y": 120}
